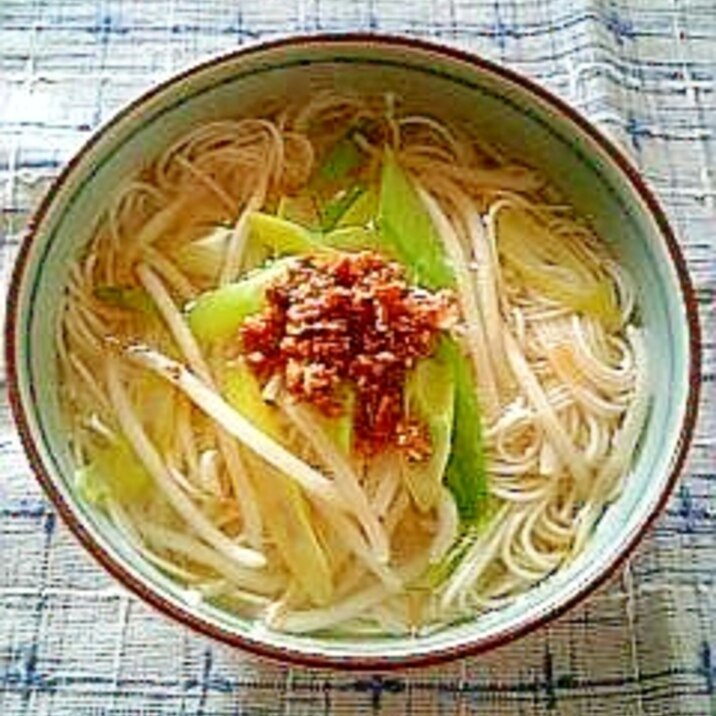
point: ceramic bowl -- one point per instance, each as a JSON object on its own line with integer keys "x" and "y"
{"x": 536, "y": 127}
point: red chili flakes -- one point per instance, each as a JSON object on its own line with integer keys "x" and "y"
{"x": 350, "y": 319}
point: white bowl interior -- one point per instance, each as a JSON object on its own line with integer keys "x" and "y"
{"x": 533, "y": 130}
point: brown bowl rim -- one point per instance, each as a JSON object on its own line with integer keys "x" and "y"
{"x": 316, "y": 660}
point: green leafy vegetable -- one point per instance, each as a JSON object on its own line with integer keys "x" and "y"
{"x": 441, "y": 392}
{"x": 362, "y": 211}
{"x": 132, "y": 298}
{"x": 345, "y": 208}
{"x": 115, "y": 471}
{"x": 281, "y": 237}
{"x": 438, "y": 572}
{"x": 335, "y": 208}
{"x": 342, "y": 159}
{"x": 465, "y": 476}
{"x": 242, "y": 390}
{"x": 342, "y": 164}
{"x": 353, "y": 238}
{"x": 406, "y": 227}
{"x": 290, "y": 522}
{"x": 291, "y": 527}
{"x": 216, "y": 315}
{"x": 430, "y": 395}
{"x": 91, "y": 485}
{"x": 332, "y": 192}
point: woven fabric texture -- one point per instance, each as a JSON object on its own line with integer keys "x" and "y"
{"x": 74, "y": 643}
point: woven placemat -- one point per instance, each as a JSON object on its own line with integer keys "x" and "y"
{"x": 73, "y": 643}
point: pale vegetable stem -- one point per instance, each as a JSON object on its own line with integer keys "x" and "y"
{"x": 241, "y": 484}
{"x": 237, "y": 425}
{"x": 346, "y": 480}
{"x": 237, "y": 242}
{"x": 350, "y": 607}
{"x": 153, "y": 463}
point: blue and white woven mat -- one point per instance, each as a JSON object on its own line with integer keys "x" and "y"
{"x": 73, "y": 643}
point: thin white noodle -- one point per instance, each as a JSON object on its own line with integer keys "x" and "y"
{"x": 174, "y": 320}
{"x": 519, "y": 494}
{"x": 508, "y": 548}
{"x": 195, "y": 490}
{"x": 542, "y": 561}
{"x": 76, "y": 363}
{"x": 605, "y": 375}
{"x": 625, "y": 441}
{"x": 208, "y": 182}
{"x": 626, "y": 290}
{"x": 488, "y": 279}
{"x": 208, "y": 471}
{"x": 157, "y": 225}
{"x": 184, "y": 437}
{"x": 440, "y": 129}
{"x": 569, "y": 454}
